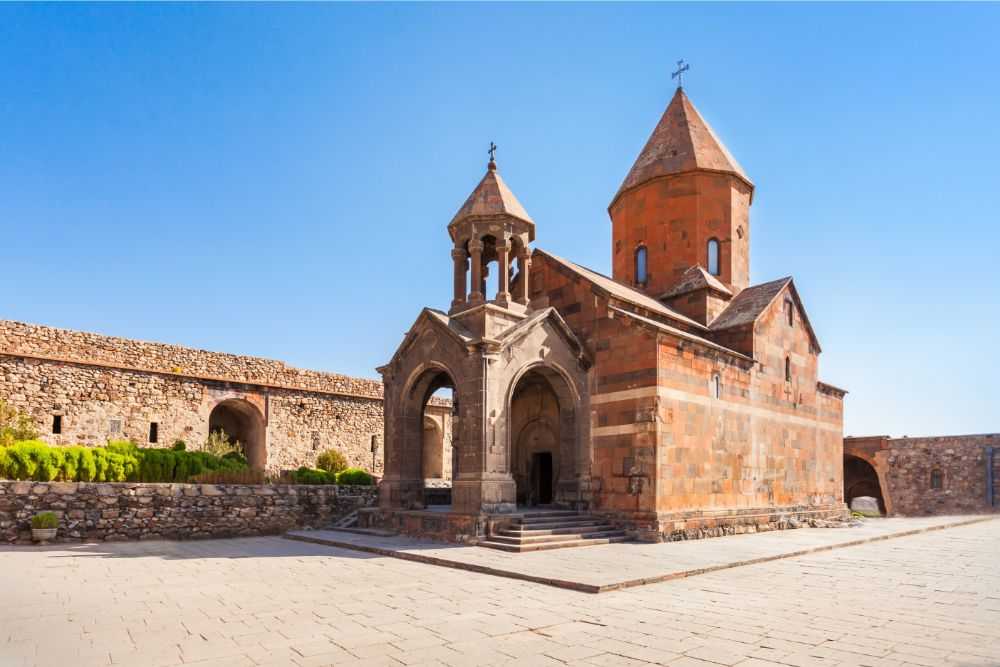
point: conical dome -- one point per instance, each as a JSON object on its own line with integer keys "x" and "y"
{"x": 491, "y": 198}
{"x": 681, "y": 142}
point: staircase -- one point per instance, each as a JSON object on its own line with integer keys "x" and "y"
{"x": 551, "y": 529}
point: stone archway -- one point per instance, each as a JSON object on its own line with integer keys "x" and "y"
{"x": 242, "y": 422}
{"x": 861, "y": 479}
{"x": 414, "y": 455}
{"x": 543, "y": 436}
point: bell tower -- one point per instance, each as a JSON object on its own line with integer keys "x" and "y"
{"x": 685, "y": 203}
{"x": 489, "y": 232}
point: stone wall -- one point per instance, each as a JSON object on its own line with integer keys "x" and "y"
{"x": 909, "y": 469}
{"x": 104, "y": 388}
{"x": 135, "y": 511}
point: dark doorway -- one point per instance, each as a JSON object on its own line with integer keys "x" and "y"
{"x": 541, "y": 477}
{"x": 860, "y": 479}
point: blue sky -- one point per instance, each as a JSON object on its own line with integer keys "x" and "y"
{"x": 277, "y": 180}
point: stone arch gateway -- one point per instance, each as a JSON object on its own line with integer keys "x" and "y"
{"x": 243, "y": 423}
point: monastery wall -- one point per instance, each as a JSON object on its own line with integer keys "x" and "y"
{"x": 909, "y": 470}
{"x": 105, "y": 388}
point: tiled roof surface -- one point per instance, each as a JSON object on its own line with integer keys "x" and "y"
{"x": 492, "y": 197}
{"x": 696, "y": 278}
{"x": 682, "y": 141}
{"x": 622, "y": 292}
{"x": 748, "y": 304}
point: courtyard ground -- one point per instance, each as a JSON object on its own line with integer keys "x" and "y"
{"x": 928, "y": 599}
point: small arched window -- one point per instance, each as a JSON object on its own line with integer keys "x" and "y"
{"x": 716, "y": 385}
{"x": 789, "y": 312}
{"x": 937, "y": 479}
{"x": 713, "y": 256}
{"x": 641, "y": 274}
{"x": 788, "y": 369}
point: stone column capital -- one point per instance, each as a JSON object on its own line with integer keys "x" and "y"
{"x": 459, "y": 254}
{"x": 476, "y": 246}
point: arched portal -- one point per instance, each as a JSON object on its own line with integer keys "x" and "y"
{"x": 860, "y": 479}
{"x": 543, "y": 436}
{"x": 243, "y": 423}
{"x": 422, "y": 453}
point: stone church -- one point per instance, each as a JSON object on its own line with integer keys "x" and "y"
{"x": 672, "y": 399}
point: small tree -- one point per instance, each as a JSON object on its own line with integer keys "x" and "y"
{"x": 15, "y": 425}
{"x": 219, "y": 445}
{"x": 331, "y": 461}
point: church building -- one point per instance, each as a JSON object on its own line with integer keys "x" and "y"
{"x": 671, "y": 400}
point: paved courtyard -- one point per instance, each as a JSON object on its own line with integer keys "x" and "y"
{"x": 929, "y": 599}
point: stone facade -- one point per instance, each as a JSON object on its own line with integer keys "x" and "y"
{"x": 673, "y": 397}
{"x": 921, "y": 476}
{"x": 102, "y": 387}
{"x": 133, "y": 511}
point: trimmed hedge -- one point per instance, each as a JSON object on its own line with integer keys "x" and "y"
{"x": 350, "y": 476}
{"x": 119, "y": 461}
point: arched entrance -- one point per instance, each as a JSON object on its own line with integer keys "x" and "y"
{"x": 422, "y": 454}
{"x": 860, "y": 479}
{"x": 243, "y": 423}
{"x": 542, "y": 436}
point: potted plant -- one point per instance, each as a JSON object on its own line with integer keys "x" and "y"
{"x": 44, "y": 526}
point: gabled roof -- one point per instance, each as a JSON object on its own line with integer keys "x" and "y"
{"x": 681, "y": 142}
{"x": 696, "y": 278}
{"x": 681, "y": 334}
{"x": 521, "y": 329}
{"x": 622, "y": 292}
{"x": 491, "y": 198}
{"x": 754, "y": 300}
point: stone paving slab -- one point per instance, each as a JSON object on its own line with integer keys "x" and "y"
{"x": 608, "y": 567}
{"x": 930, "y": 600}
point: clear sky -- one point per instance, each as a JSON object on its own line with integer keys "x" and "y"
{"x": 277, "y": 180}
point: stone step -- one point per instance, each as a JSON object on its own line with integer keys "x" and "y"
{"x": 545, "y": 546}
{"x": 545, "y": 525}
{"x": 559, "y": 530}
{"x": 564, "y": 537}
{"x": 544, "y": 514}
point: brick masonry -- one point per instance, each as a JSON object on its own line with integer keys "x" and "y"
{"x": 909, "y": 469}
{"x": 134, "y": 511}
{"x": 98, "y": 384}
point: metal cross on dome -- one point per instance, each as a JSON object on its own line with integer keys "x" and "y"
{"x": 493, "y": 151}
{"x": 681, "y": 68}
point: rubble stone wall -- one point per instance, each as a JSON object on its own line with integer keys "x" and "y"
{"x": 104, "y": 388}
{"x": 136, "y": 511}
{"x": 933, "y": 475}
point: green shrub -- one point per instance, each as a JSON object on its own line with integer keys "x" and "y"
{"x": 15, "y": 425}
{"x": 179, "y": 446}
{"x": 86, "y": 467}
{"x": 356, "y": 477}
{"x": 306, "y": 475}
{"x": 331, "y": 461}
{"x": 118, "y": 461}
{"x": 218, "y": 444}
{"x": 45, "y": 520}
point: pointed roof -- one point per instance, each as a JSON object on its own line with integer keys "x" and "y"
{"x": 491, "y": 198}
{"x": 696, "y": 278}
{"x": 682, "y": 141}
{"x": 754, "y": 300}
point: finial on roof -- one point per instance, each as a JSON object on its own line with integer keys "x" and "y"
{"x": 492, "y": 166}
{"x": 681, "y": 68}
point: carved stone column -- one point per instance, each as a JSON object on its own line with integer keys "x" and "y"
{"x": 523, "y": 264}
{"x": 503, "y": 266}
{"x": 460, "y": 258}
{"x": 476, "y": 250}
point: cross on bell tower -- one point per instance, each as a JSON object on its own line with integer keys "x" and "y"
{"x": 679, "y": 72}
